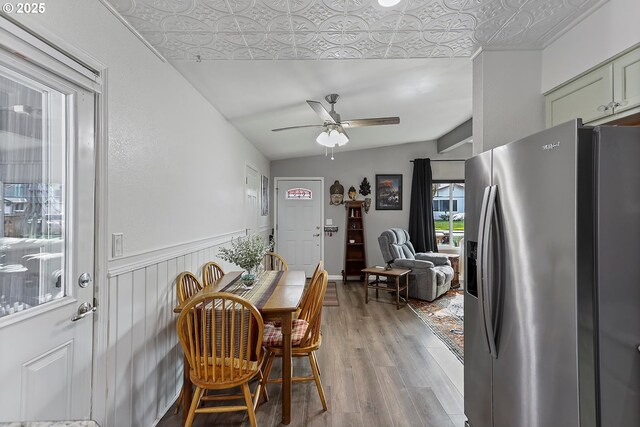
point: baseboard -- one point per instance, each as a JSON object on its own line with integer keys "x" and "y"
{"x": 165, "y": 410}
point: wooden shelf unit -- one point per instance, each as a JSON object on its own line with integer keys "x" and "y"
{"x": 355, "y": 257}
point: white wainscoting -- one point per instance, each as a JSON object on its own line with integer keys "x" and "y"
{"x": 143, "y": 357}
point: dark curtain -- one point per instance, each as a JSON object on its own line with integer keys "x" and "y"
{"x": 422, "y": 229}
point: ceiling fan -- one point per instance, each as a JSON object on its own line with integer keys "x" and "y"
{"x": 334, "y": 127}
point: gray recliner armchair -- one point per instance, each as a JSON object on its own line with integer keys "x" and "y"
{"x": 431, "y": 273}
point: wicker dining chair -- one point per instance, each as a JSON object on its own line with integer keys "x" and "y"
{"x": 305, "y": 336}
{"x": 187, "y": 284}
{"x": 221, "y": 335}
{"x": 211, "y": 272}
{"x": 274, "y": 262}
{"x": 308, "y": 293}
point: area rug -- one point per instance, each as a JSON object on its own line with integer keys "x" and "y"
{"x": 331, "y": 297}
{"x": 445, "y": 317}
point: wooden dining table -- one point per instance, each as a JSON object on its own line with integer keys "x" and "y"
{"x": 280, "y": 305}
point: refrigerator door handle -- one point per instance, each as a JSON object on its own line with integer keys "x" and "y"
{"x": 480, "y": 272}
{"x": 487, "y": 271}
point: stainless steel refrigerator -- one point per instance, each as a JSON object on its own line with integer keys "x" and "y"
{"x": 552, "y": 299}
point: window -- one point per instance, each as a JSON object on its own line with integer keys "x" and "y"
{"x": 32, "y": 187}
{"x": 299, "y": 194}
{"x": 448, "y": 211}
{"x": 443, "y": 205}
{"x": 32, "y": 210}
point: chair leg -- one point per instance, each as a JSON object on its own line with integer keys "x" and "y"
{"x": 262, "y": 390}
{"x": 249, "y": 402}
{"x": 316, "y": 376}
{"x": 194, "y": 405}
{"x": 267, "y": 370}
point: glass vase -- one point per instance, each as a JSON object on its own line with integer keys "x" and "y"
{"x": 248, "y": 278}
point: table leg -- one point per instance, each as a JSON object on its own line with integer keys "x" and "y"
{"x": 397, "y": 292}
{"x": 187, "y": 390}
{"x": 287, "y": 367}
{"x": 406, "y": 289}
{"x": 377, "y": 284}
{"x": 366, "y": 288}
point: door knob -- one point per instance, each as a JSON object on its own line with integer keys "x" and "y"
{"x": 316, "y": 235}
{"x": 84, "y": 280}
{"x": 83, "y": 310}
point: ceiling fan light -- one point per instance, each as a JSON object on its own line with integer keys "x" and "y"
{"x": 335, "y": 137}
{"x": 388, "y": 3}
{"x": 342, "y": 139}
{"x": 323, "y": 139}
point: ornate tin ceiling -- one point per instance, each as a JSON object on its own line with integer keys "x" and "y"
{"x": 343, "y": 29}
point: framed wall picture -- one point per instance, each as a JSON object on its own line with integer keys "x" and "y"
{"x": 264, "y": 208}
{"x": 389, "y": 192}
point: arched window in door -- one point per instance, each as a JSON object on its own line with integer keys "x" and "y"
{"x": 299, "y": 194}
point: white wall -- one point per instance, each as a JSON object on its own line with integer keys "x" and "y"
{"x": 507, "y": 102}
{"x": 174, "y": 160}
{"x": 609, "y": 30}
{"x": 350, "y": 168}
{"x": 175, "y": 189}
{"x": 143, "y": 363}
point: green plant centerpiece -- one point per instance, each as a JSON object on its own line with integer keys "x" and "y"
{"x": 246, "y": 253}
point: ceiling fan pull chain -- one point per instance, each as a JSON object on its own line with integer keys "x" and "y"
{"x": 331, "y": 153}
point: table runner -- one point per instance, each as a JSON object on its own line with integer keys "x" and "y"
{"x": 258, "y": 295}
{"x": 260, "y": 292}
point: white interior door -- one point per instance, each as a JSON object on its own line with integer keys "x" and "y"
{"x": 299, "y": 223}
{"x": 46, "y": 243}
{"x": 252, "y": 189}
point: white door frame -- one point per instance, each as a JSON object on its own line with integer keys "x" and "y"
{"x": 58, "y": 56}
{"x": 99, "y": 389}
{"x": 276, "y": 181}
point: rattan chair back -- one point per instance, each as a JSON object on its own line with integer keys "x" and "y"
{"x": 211, "y": 272}
{"x": 187, "y": 284}
{"x": 274, "y": 262}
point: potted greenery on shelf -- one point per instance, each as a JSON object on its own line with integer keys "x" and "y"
{"x": 246, "y": 253}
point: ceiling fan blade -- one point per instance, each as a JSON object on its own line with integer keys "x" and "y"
{"x": 321, "y": 111}
{"x": 297, "y": 127}
{"x": 371, "y": 122}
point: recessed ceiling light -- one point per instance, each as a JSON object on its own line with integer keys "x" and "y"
{"x": 388, "y": 3}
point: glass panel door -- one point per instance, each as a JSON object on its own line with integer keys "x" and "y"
{"x": 32, "y": 184}
{"x": 47, "y": 229}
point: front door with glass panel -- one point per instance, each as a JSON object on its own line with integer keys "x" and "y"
{"x": 299, "y": 222}
{"x": 46, "y": 244}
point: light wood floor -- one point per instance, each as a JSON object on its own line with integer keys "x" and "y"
{"x": 380, "y": 367}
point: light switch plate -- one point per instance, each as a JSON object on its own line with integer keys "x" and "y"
{"x": 328, "y": 221}
{"x": 117, "y": 245}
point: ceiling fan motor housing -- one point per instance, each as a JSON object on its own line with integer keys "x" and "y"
{"x": 332, "y": 98}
